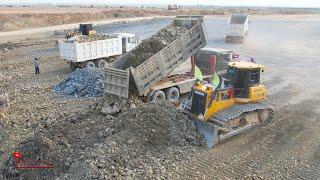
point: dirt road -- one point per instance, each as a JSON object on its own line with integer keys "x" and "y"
{"x": 22, "y": 34}
{"x": 288, "y": 147}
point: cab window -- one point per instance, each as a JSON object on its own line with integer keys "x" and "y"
{"x": 132, "y": 40}
{"x": 254, "y": 76}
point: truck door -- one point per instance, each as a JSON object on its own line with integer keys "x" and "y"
{"x": 242, "y": 84}
{"x": 124, "y": 45}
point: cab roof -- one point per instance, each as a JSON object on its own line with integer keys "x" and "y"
{"x": 125, "y": 34}
{"x": 245, "y": 65}
{"x": 210, "y": 50}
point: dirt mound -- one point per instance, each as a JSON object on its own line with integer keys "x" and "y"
{"x": 157, "y": 125}
{"x": 153, "y": 45}
{"x": 112, "y": 105}
{"x": 138, "y": 143}
{"x": 82, "y": 82}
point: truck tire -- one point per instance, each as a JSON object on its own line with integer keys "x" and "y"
{"x": 172, "y": 94}
{"x": 90, "y": 64}
{"x": 158, "y": 96}
{"x": 73, "y": 66}
{"x": 101, "y": 64}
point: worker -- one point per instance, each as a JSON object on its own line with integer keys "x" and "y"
{"x": 198, "y": 73}
{"x": 252, "y": 60}
{"x": 235, "y": 56}
{"x": 36, "y": 64}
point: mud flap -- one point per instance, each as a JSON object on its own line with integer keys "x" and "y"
{"x": 209, "y": 131}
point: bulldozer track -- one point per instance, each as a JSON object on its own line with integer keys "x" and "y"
{"x": 237, "y": 110}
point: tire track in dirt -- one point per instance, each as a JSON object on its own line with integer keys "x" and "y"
{"x": 274, "y": 150}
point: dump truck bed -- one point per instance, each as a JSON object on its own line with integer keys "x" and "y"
{"x": 84, "y": 51}
{"x": 161, "y": 64}
{"x": 237, "y": 25}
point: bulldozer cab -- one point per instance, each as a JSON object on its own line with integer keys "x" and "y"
{"x": 243, "y": 76}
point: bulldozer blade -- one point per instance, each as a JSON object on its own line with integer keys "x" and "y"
{"x": 209, "y": 131}
{"x": 235, "y": 132}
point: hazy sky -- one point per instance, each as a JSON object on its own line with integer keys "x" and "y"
{"x": 275, "y": 3}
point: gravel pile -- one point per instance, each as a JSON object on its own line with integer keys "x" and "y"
{"x": 140, "y": 143}
{"x": 153, "y": 45}
{"x": 82, "y": 83}
{"x": 84, "y": 38}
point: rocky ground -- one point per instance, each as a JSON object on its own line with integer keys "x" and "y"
{"x": 82, "y": 141}
{"x": 134, "y": 144}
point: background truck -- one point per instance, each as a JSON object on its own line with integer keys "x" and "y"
{"x": 172, "y": 7}
{"x": 237, "y": 28}
{"x": 163, "y": 76}
{"x": 96, "y": 52}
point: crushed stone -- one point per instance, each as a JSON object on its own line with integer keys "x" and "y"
{"x": 90, "y": 38}
{"x": 85, "y": 82}
{"x": 149, "y": 47}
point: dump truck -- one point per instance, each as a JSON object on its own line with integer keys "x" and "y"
{"x": 172, "y": 7}
{"x": 235, "y": 105}
{"x": 155, "y": 78}
{"x": 119, "y": 79}
{"x": 237, "y": 28}
{"x": 96, "y": 50}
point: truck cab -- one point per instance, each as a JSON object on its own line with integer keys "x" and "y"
{"x": 211, "y": 60}
{"x": 129, "y": 41}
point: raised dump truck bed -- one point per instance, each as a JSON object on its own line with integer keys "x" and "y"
{"x": 162, "y": 63}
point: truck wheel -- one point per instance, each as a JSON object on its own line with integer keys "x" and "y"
{"x": 90, "y": 65}
{"x": 158, "y": 96}
{"x": 101, "y": 64}
{"x": 73, "y": 66}
{"x": 172, "y": 94}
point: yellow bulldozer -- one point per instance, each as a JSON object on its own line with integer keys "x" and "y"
{"x": 233, "y": 106}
